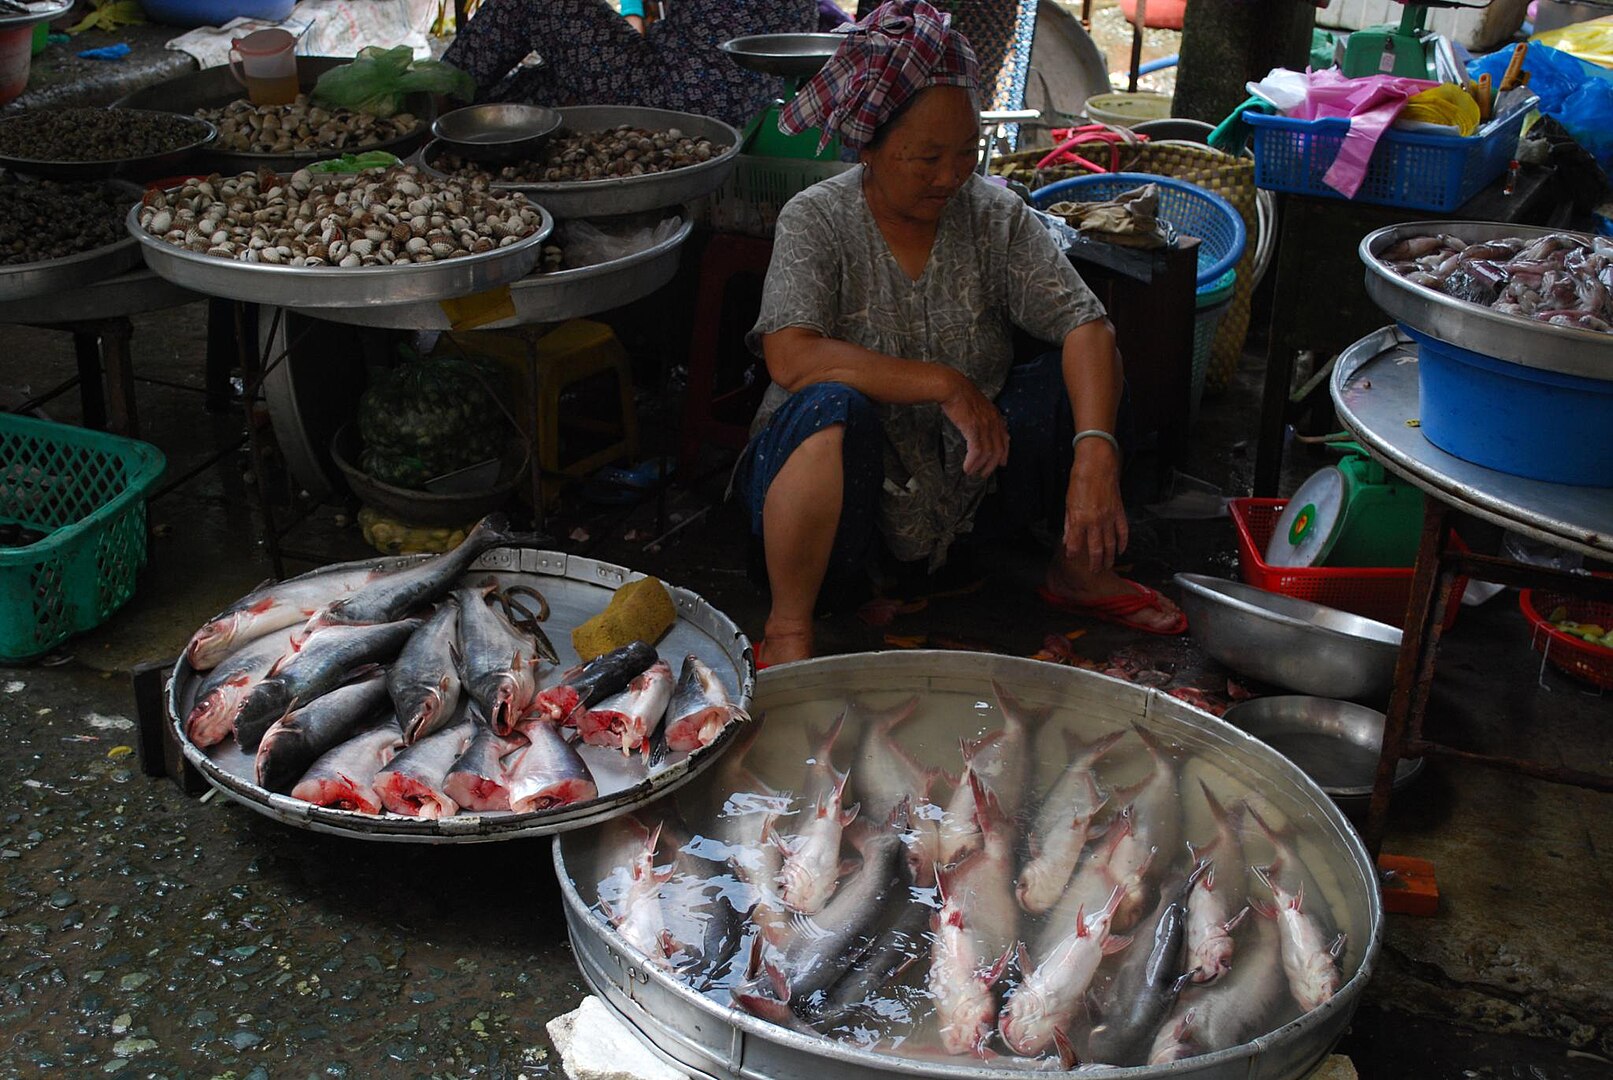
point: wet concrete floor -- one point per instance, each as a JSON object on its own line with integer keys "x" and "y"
{"x": 144, "y": 933}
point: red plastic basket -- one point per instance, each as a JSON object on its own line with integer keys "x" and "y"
{"x": 1579, "y": 658}
{"x": 1377, "y": 592}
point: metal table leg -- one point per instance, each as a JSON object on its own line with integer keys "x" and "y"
{"x": 92, "y": 398}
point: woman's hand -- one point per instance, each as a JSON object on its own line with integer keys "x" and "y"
{"x": 636, "y": 22}
{"x": 982, "y": 425}
{"x": 1095, "y": 528}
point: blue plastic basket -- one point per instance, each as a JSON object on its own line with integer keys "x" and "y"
{"x": 1192, "y": 210}
{"x": 1408, "y": 169}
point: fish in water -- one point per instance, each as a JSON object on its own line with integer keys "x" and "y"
{"x": 587, "y": 685}
{"x": 1039, "y": 1011}
{"x": 277, "y": 605}
{"x": 344, "y": 777}
{"x": 899, "y": 944}
{"x": 1117, "y": 861}
{"x": 547, "y": 772}
{"x": 961, "y": 980}
{"x": 811, "y": 865}
{"x": 477, "y": 781}
{"x": 1062, "y": 826}
{"x": 424, "y": 680}
{"x": 320, "y": 662}
{"x": 412, "y": 784}
{"x": 1249, "y": 1000}
{"x": 984, "y": 882}
{"x": 884, "y": 774}
{"x": 1210, "y": 920}
{"x": 1002, "y": 761}
{"x": 700, "y": 708}
{"x": 220, "y": 694}
{"x": 395, "y": 594}
{"x": 1309, "y": 961}
{"x": 696, "y": 902}
{"x": 1146, "y": 984}
{"x": 637, "y": 915}
{"x": 295, "y": 741}
{"x": 628, "y": 718}
{"x": 498, "y": 663}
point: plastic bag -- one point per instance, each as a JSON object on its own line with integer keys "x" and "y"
{"x": 378, "y": 80}
{"x": 1577, "y": 95}
{"x": 355, "y": 163}
{"x": 1592, "y": 41}
{"x": 1447, "y": 105}
{"x": 586, "y": 244}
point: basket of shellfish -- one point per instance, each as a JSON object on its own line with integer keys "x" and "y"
{"x": 372, "y": 238}
{"x": 608, "y": 159}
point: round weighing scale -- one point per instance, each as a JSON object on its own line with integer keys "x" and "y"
{"x": 796, "y": 57}
{"x": 1349, "y": 514}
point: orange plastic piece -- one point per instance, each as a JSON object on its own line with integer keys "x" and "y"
{"x": 1408, "y": 885}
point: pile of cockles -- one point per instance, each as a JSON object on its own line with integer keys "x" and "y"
{"x": 1562, "y": 278}
{"x": 301, "y": 126}
{"x": 593, "y": 155}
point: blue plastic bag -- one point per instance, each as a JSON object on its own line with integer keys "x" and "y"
{"x": 1577, "y": 95}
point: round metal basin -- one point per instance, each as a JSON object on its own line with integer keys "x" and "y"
{"x": 1306, "y": 647}
{"x": 496, "y": 131}
{"x": 1336, "y": 742}
{"x": 795, "y": 56}
{"x": 686, "y": 1013}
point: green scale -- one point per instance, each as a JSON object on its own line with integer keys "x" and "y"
{"x": 1350, "y": 514}
{"x": 795, "y": 57}
{"x": 1407, "y": 50}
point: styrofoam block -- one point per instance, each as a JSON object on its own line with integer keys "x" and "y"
{"x": 595, "y": 1045}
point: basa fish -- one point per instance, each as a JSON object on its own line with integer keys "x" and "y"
{"x": 984, "y": 882}
{"x": 587, "y": 685}
{"x": 498, "y": 663}
{"x": 1309, "y": 961}
{"x": 318, "y": 663}
{"x": 1063, "y": 824}
{"x": 638, "y": 916}
{"x": 395, "y": 594}
{"x": 412, "y": 784}
{"x": 700, "y": 913}
{"x": 477, "y": 781}
{"x": 900, "y": 942}
{"x": 1002, "y": 761}
{"x": 961, "y": 979}
{"x": 424, "y": 680}
{"x": 885, "y": 774}
{"x": 547, "y": 771}
{"x": 811, "y": 867}
{"x": 1249, "y": 1000}
{"x": 295, "y": 741}
{"x": 1210, "y": 906}
{"x": 1039, "y": 1011}
{"x": 700, "y": 708}
{"x": 220, "y": 694}
{"x": 628, "y": 718}
{"x": 277, "y": 605}
{"x": 344, "y": 777}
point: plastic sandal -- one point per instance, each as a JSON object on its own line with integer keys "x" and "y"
{"x": 1116, "y": 609}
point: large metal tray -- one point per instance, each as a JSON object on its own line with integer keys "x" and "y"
{"x": 212, "y": 88}
{"x": 334, "y": 287}
{"x": 52, "y": 276}
{"x": 625, "y": 194}
{"x": 147, "y": 167}
{"x": 1563, "y": 349}
{"x": 715, "y": 1040}
{"x": 12, "y": 20}
{"x": 553, "y": 297}
{"x": 129, "y": 293}
{"x": 576, "y": 589}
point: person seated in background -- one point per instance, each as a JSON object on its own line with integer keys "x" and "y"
{"x": 590, "y": 55}
{"x": 886, "y": 326}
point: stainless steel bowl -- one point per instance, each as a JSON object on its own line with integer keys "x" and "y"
{"x": 795, "y": 56}
{"x": 1293, "y": 643}
{"x": 1335, "y": 743}
{"x": 496, "y": 131}
{"x": 144, "y": 167}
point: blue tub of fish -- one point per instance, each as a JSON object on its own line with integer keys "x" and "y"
{"x": 1519, "y": 420}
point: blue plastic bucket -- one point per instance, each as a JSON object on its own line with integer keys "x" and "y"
{"x": 1515, "y": 419}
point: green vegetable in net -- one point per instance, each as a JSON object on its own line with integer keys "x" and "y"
{"x": 379, "y": 79}
{"x": 431, "y": 416}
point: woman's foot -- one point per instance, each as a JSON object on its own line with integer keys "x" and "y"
{"x": 1108, "y": 596}
{"x": 782, "y": 644}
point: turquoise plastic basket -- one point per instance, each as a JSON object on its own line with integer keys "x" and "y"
{"x": 86, "y": 490}
{"x": 1210, "y": 304}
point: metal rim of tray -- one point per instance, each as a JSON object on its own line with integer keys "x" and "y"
{"x": 551, "y": 297}
{"x": 488, "y": 826}
{"x": 72, "y": 271}
{"x": 648, "y": 978}
{"x": 133, "y": 292}
{"x": 314, "y": 287}
{"x": 14, "y": 20}
{"x": 623, "y": 194}
{"x": 794, "y": 56}
{"x": 1204, "y": 586}
{"x": 148, "y": 165}
{"x": 1565, "y": 350}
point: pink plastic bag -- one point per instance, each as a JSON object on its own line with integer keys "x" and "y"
{"x": 1371, "y": 105}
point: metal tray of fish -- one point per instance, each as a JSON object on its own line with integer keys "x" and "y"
{"x": 688, "y": 1007}
{"x": 576, "y": 589}
{"x": 334, "y": 287}
{"x": 1529, "y": 342}
{"x": 546, "y": 297}
{"x": 215, "y": 87}
{"x": 64, "y": 275}
{"x": 624, "y": 194}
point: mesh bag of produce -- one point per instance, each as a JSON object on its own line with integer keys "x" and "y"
{"x": 430, "y": 416}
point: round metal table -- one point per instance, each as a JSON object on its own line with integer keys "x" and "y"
{"x": 1375, "y": 391}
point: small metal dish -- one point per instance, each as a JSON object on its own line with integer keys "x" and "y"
{"x": 1306, "y": 647}
{"x": 1335, "y": 743}
{"x": 795, "y": 56}
{"x": 497, "y": 131}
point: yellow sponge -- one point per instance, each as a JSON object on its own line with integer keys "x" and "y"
{"x": 641, "y": 610}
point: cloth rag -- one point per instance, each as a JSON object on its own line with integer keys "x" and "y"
{"x": 1130, "y": 219}
{"x": 595, "y": 1045}
{"x": 323, "y": 28}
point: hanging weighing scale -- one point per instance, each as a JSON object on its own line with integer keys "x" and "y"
{"x": 1408, "y": 50}
{"x": 1349, "y": 514}
{"x": 795, "y": 57}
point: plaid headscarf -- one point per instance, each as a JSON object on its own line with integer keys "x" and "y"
{"x": 900, "y": 48}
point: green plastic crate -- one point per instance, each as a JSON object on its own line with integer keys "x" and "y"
{"x": 86, "y": 490}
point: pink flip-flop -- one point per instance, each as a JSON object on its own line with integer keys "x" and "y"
{"x": 1115, "y": 609}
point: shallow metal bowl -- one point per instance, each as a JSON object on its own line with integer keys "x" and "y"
{"x": 1306, "y": 647}
{"x": 1335, "y": 743}
{"x": 795, "y": 56}
{"x": 496, "y": 131}
{"x": 144, "y": 167}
